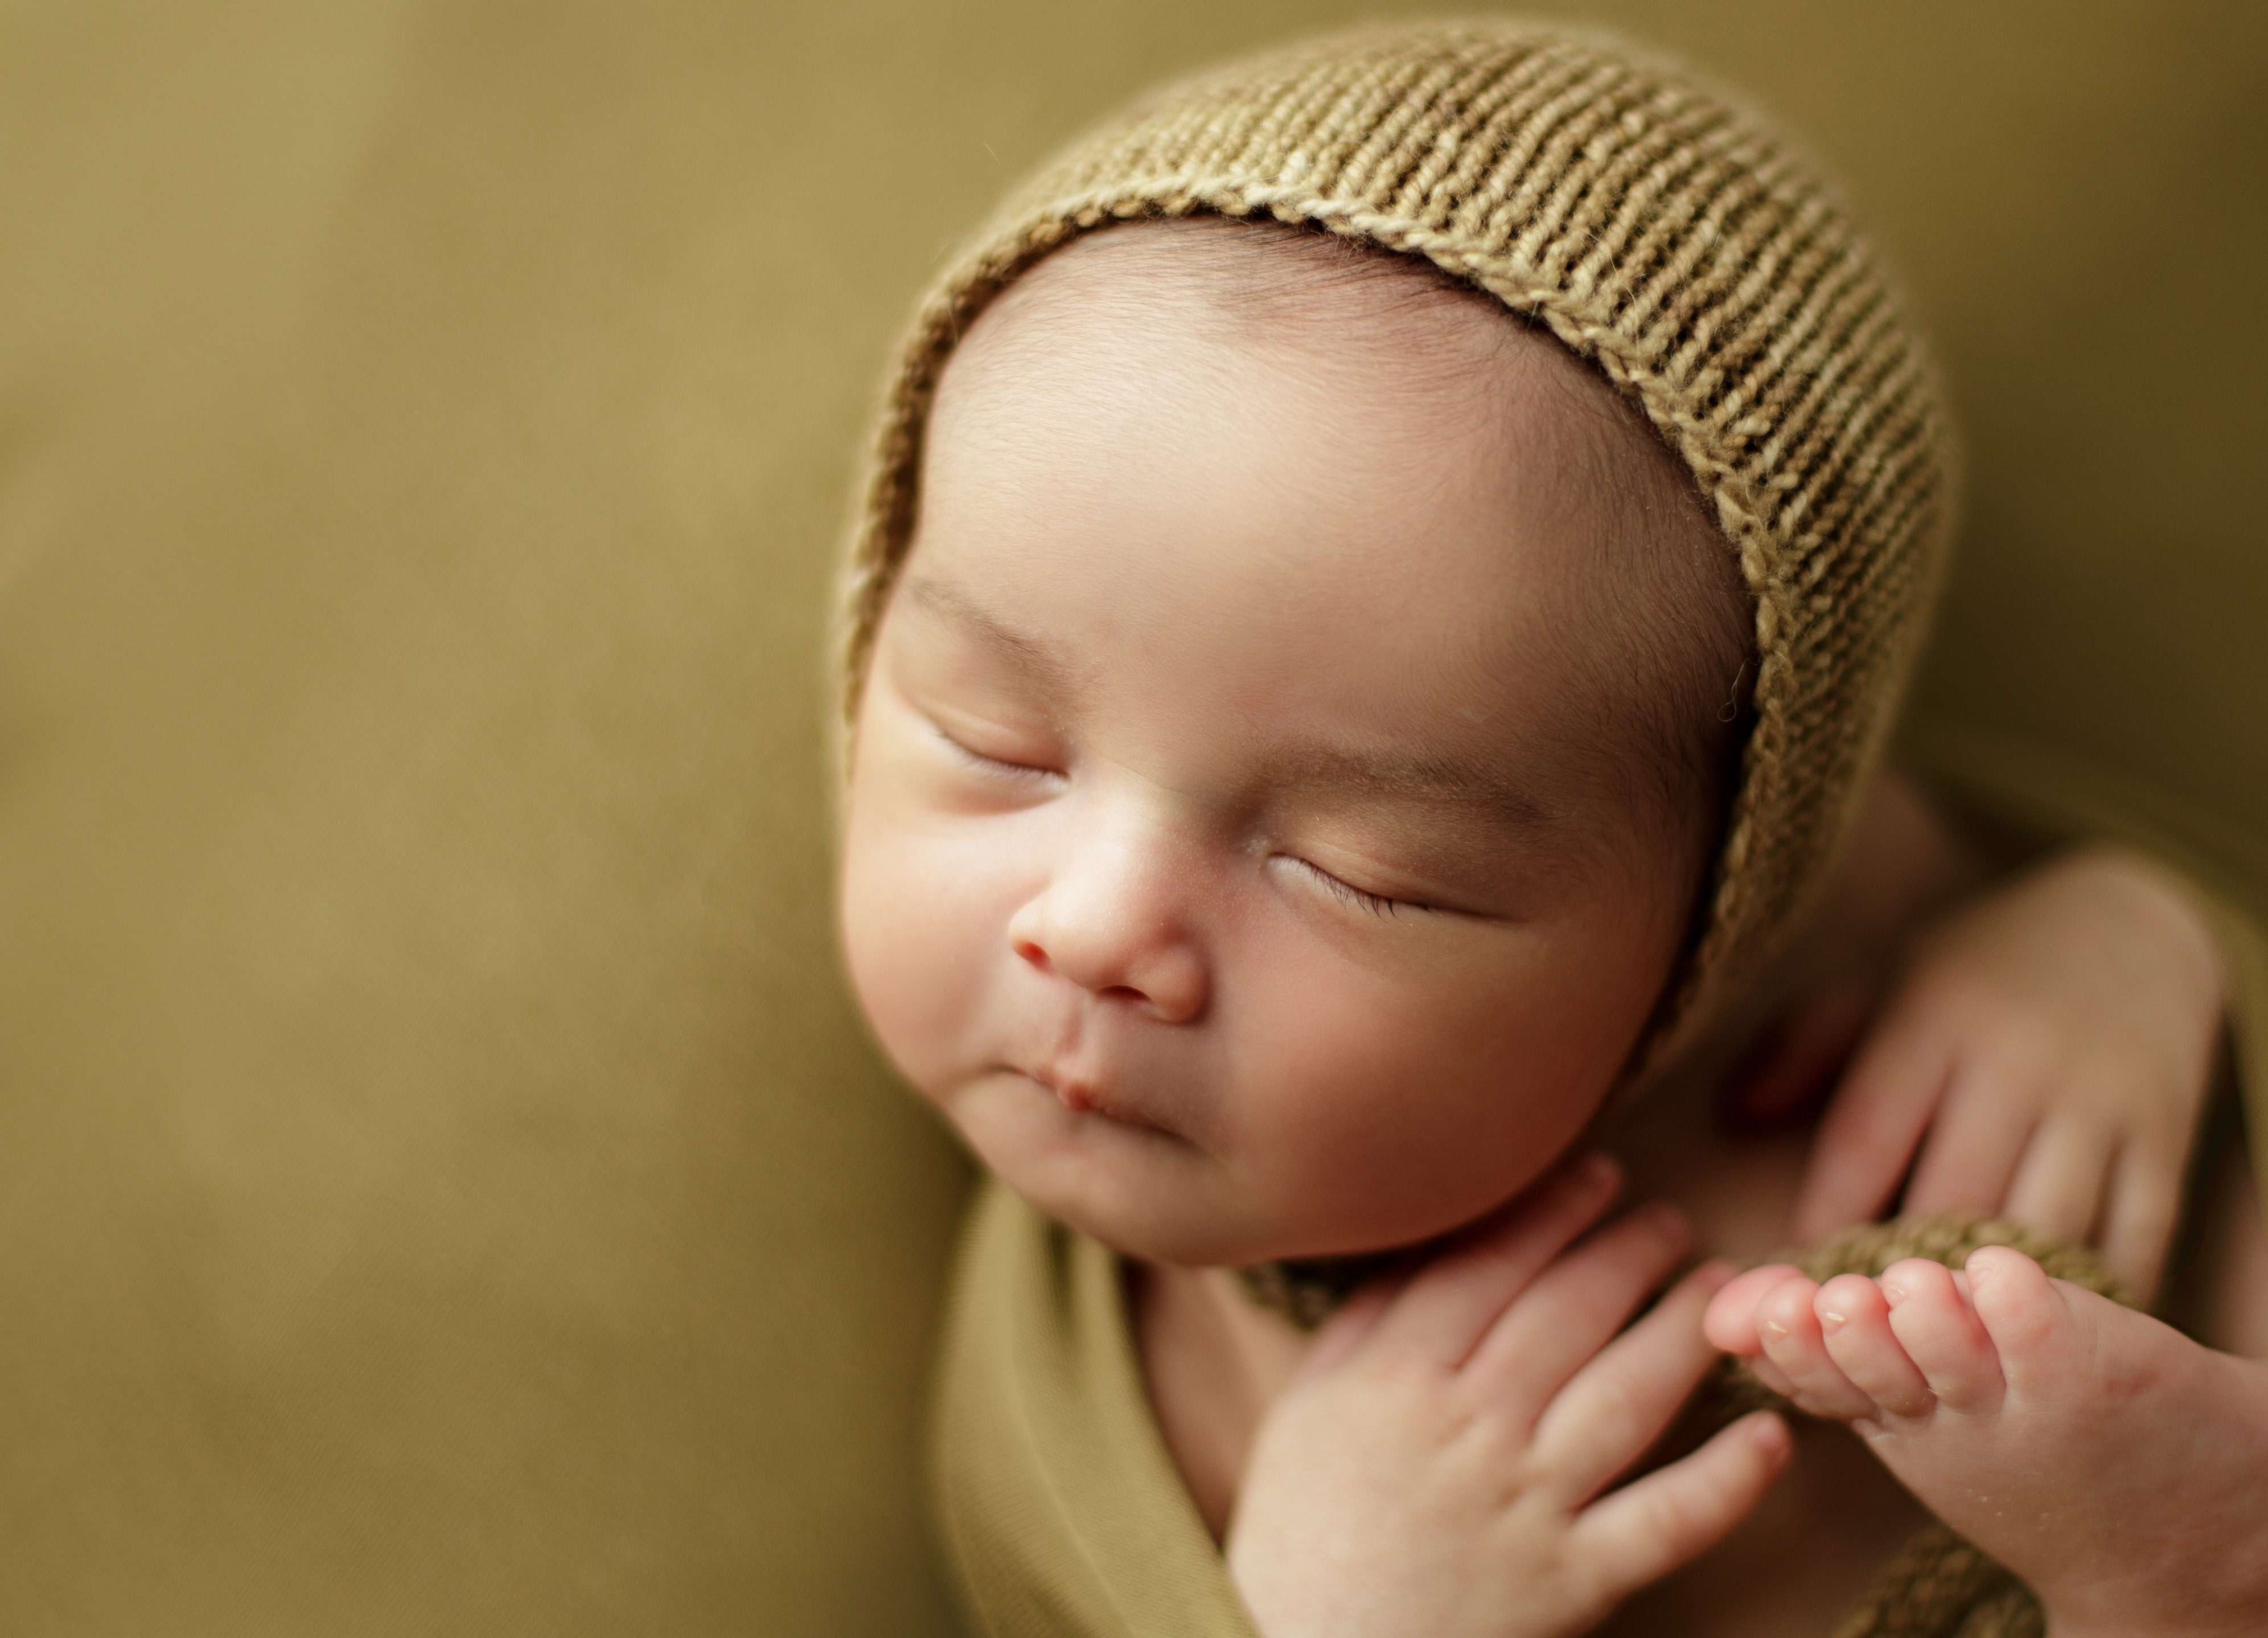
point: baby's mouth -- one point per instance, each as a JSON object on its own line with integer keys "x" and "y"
{"x": 1082, "y": 1098}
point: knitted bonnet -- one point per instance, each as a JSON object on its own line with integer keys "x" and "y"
{"x": 1662, "y": 233}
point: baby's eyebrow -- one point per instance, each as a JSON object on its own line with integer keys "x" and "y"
{"x": 1028, "y": 654}
{"x": 1383, "y": 774}
{"x": 1404, "y": 775}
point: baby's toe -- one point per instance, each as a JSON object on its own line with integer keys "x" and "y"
{"x": 1730, "y": 1320}
{"x": 1792, "y": 1341}
{"x": 2028, "y": 1317}
{"x": 1940, "y": 1334}
{"x": 1855, "y": 1319}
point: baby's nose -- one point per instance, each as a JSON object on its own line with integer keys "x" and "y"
{"x": 1115, "y": 925}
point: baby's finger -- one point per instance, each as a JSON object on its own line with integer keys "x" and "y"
{"x": 1573, "y": 1308}
{"x": 2058, "y": 1181}
{"x": 1616, "y": 1406}
{"x": 1641, "y": 1532}
{"x": 2137, "y": 1221}
{"x": 1449, "y": 1305}
{"x": 1972, "y": 1150}
{"x": 1869, "y": 1135}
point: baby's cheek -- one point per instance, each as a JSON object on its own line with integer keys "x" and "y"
{"x": 911, "y": 949}
{"x": 1335, "y": 1111}
{"x": 1387, "y": 1114}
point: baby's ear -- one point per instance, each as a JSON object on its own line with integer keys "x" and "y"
{"x": 1730, "y": 1321}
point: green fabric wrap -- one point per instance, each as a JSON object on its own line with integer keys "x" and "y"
{"x": 1059, "y": 1507}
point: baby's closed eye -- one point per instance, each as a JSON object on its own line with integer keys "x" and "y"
{"x": 994, "y": 755}
{"x": 1362, "y": 898}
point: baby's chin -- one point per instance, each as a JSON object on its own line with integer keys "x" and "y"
{"x": 1158, "y": 1197}
{"x": 1142, "y": 1192}
{"x": 1168, "y": 1232}
{"x": 1183, "y": 1210}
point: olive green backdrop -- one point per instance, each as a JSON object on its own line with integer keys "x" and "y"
{"x": 444, "y": 1187}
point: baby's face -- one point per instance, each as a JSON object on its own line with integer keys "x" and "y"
{"x": 1229, "y": 854}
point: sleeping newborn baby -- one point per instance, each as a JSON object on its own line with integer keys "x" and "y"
{"x": 1324, "y": 727}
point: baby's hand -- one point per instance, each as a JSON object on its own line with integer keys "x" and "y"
{"x": 2046, "y": 1052}
{"x": 1435, "y": 1469}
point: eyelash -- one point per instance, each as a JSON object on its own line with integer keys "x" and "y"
{"x": 1379, "y": 904}
{"x": 999, "y": 766}
{"x": 1376, "y": 903}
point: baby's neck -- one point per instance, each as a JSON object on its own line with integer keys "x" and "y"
{"x": 1213, "y": 1358}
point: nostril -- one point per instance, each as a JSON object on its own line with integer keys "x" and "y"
{"x": 1033, "y": 954}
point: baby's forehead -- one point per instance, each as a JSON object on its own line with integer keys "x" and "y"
{"x": 1388, "y": 344}
{"x": 1275, "y": 297}
{"x": 1270, "y": 319}
{"x": 1279, "y": 341}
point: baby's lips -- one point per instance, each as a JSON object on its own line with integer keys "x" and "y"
{"x": 1069, "y": 1094}
{"x": 1082, "y": 1097}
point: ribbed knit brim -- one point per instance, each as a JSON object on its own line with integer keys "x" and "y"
{"x": 1664, "y": 233}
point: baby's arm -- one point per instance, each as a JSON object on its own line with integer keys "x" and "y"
{"x": 2117, "y": 1466}
{"x": 1440, "y": 1465}
{"x": 2043, "y": 1056}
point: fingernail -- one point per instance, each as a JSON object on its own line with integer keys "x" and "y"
{"x": 1770, "y": 1328}
{"x": 1893, "y": 1295}
{"x": 1831, "y": 1322}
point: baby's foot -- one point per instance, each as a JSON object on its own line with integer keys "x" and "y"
{"x": 2118, "y": 1467}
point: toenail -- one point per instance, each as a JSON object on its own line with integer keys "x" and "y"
{"x": 1771, "y": 1329}
{"x": 1831, "y": 1322}
{"x": 1893, "y": 1295}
